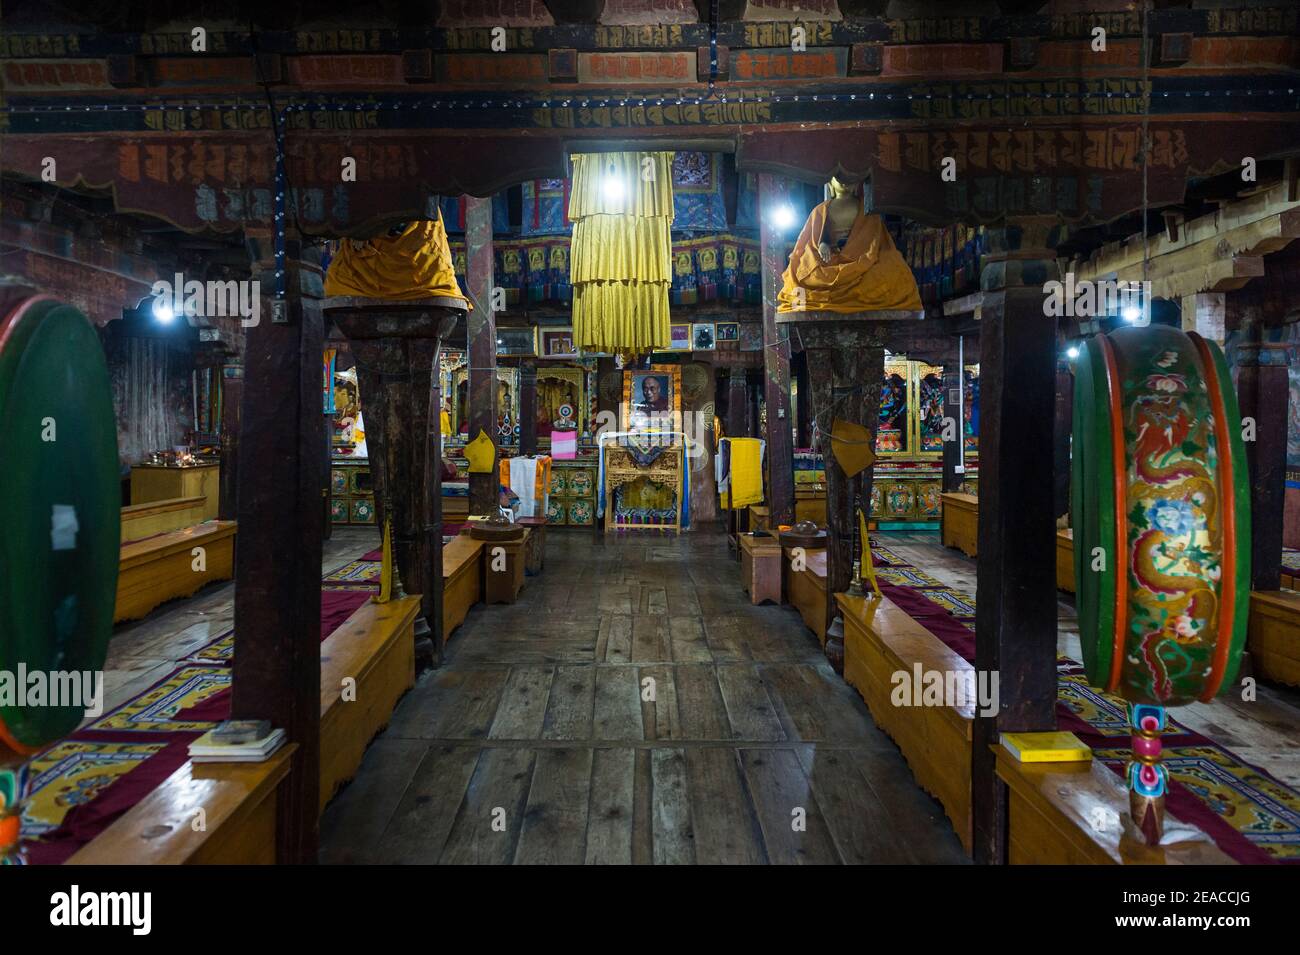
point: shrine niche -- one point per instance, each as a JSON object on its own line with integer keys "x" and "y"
{"x": 909, "y": 441}
{"x": 507, "y": 402}
{"x": 561, "y": 400}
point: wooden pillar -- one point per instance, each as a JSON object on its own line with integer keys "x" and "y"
{"x": 232, "y": 394}
{"x": 1263, "y": 395}
{"x": 607, "y": 376}
{"x": 776, "y": 355}
{"x": 396, "y": 345}
{"x": 481, "y": 334}
{"x": 803, "y": 411}
{"x": 1062, "y": 428}
{"x": 276, "y": 673}
{"x": 1015, "y": 624}
{"x": 528, "y": 406}
{"x": 846, "y": 370}
{"x": 953, "y": 382}
{"x": 737, "y": 404}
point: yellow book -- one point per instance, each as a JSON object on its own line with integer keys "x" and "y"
{"x": 1045, "y": 747}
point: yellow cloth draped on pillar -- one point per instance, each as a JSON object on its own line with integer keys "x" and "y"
{"x": 621, "y": 206}
{"x": 866, "y": 275}
{"x": 414, "y": 264}
{"x": 746, "y": 473}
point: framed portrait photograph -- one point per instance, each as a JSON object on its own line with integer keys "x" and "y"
{"x": 703, "y": 336}
{"x": 515, "y": 341}
{"x": 652, "y": 399}
{"x": 728, "y": 331}
{"x": 679, "y": 337}
{"x": 556, "y": 343}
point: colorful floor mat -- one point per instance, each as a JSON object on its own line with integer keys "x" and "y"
{"x": 76, "y": 788}
{"x": 1291, "y": 560}
{"x": 1251, "y": 816}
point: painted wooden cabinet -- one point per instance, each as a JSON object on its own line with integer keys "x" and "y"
{"x": 352, "y": 494}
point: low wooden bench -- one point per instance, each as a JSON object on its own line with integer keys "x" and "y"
{"x": 1273, "y": 635}
{"x": 760, "y": 568}
{"x": 239, "y": 805}
{"x": 806, "y": 589}
{"x": 1075, "y": 814}
{"x": 880, "y": 639}
{"x": 462, "y": 580}
{"x": 501, "y": 584}
{"x": 1065, "y": 560}
{"x": 375, "y": 648}
{"x": 960, "y": 522}
{"x": 161, "y": 568}
{"x": 158, "y": 517}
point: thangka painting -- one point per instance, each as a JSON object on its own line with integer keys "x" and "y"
{"x": 652, "y": 399}
{"x": 893, "y": 433}
{"x": 698, "y": 205}
{"x": 545, "y": 207}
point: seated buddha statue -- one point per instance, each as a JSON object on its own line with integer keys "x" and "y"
{"x": 845, "y": 261}
{"x": 411, "y": 261}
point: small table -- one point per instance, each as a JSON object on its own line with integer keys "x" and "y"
{"x": 760, "y": 568}
{"x": 156, "y": 482}
{"x": 535, "y": 548}
{"x": 503, "y": 570}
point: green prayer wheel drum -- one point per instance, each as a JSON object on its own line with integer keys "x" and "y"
{"x": 1160, "y": 507}
{"x": 60, "y": 542}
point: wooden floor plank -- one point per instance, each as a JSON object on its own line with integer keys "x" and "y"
{"x": 617, "y": 713}
{"x": 722, "y": 819}
{"x": 614, "y": 644}
{"x": 523, "y": 703}
{"x": 688, "y": 644}
{"x": 568, "y": 712}
{"x": 861, "y": 826}
{"x": 784, "y": 802}
{"x": 660, "y": 718}
{"x": 700, "y": 706}
{"x": 555, "y": 818}
{"x": 353, "y": 825}
{"x": 748, "y": 706}
{"x": 424, "y": 818}
{"x": 611, "y": 811}
{"x": 650, "y": 643}
{"x": 491, "y": 815}
{"x": 673, "y": 839}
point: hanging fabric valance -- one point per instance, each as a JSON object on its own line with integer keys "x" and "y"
{"x": 621, "y": 260}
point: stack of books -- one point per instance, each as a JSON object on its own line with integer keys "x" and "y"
{"x": 237, "y": 741}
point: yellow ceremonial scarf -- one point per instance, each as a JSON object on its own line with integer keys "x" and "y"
{"x": 416, "y": 264}
{"x": 866, "y": 275}
{"x": 746, "y": 472}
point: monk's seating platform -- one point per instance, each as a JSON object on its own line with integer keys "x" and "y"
{"x": 1065, "y": 560}
{"x": 960, "y": 519}
{"x": 157, "y": 517}
{"x": 238, "y": 804}
{"x": 880, "y": 640}
{"x": 365, "y": 667}
{"x": 1075, "y": 814}
{"x": 462, "y": 580}
{"x": 1273, "y": 635}
{"x": 163, "y": 567}
{"x": 805, "y": 588}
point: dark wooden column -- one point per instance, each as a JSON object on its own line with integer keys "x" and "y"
{"x": 776, "y": 356}
{"x": 1062, "y": 427}
{"x": 1263, "y": 395}
{"x": 1015, "y": 624}
{"x": 528, "y": 406}
{"x": 607, "y": 374}
{"x": 396, "y": 345}
{"x": 737, "y": 404}
{"x": 232, "y": 395}
{"x": 803, "y": 411}
{"x": 846, "y": 368}
{"x": 276, "y": 672}
{"x": 481, "y": 333}
{"x": 952, "y": 408}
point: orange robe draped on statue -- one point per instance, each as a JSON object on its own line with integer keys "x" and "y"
{"x": 413, "y": 265}
{"x": 866, "y": 275}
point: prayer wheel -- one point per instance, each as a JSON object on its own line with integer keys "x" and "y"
{"x": 1161, "y": 513}
{"x": 59, "y": 552}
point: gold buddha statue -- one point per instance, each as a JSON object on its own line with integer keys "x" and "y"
{"x": 845, "y": 261}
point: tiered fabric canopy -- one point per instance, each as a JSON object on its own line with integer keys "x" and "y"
{"x": 621, "y": 259}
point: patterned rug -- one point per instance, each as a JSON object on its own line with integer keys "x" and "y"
{"x": 1251, "y": 816}
{"x": 77, "y": 788}
{"x": 1291, "y": 560}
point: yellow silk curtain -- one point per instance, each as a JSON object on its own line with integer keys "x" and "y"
{"x": 413, "y": 265}
{"x": 621, "y": 259}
